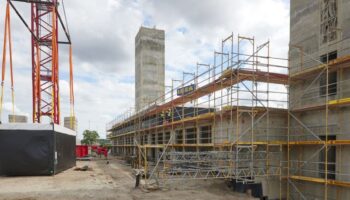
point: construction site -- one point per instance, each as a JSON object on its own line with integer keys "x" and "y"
{"x": 246, "y": 125}
{"x": 276, "y": 126}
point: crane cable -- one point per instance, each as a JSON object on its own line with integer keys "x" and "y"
{"x": 11, "y": 64}
{"x": 65, "y": 17}
{"x": 7, "y": 35}
{"x": 54, "y": 68}
{"x": 71, "y": 88}
{"x": 71, "y": 82}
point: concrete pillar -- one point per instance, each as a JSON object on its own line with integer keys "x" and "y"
{"x": 71, "y": 123}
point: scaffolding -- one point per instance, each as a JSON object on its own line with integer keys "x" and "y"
{"x": 248, "y": 117}
{"x": 238, "y": 123}
{"x": 225, "y": 121}
{"x": 317, "y": 134}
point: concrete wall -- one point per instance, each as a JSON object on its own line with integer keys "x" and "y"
{"x": 71, "y": 123}
{"x": 149, "y": 66}
{"x": 273, "y": 127}
{"x": 305, "y": 32}
{"x": 18, "y": 119}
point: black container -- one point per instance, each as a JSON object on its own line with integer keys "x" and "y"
{"x": 241, "y": 187}
{"x": 35, "y": 149}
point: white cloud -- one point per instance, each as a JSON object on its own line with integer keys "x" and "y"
{"x": 103, "y": 36}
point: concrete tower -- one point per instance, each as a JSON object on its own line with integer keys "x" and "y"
{"x": 149, "y": 66}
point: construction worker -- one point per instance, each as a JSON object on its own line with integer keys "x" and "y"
{"x": 168, "y": 115}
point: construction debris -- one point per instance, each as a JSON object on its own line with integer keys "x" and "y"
{"x": 84, "y": 168}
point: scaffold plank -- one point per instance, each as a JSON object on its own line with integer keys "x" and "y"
{"x": 337, "y": 102}
{"x": 334, "y": 63}
{"x": 321, "y": 181}
{"x": 320, "y": 142}
{"x": 331, "y": 104}
{"x": 229, "y": 78}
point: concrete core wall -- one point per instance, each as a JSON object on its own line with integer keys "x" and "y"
{"x": 149, "y": 66}
{"x": 307, "y": 32}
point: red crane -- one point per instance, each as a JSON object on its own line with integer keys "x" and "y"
{"x": 44, "y": 28}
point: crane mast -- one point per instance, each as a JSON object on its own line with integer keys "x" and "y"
{"x": 44, "y": 26}
{"x": 45, "y": 86}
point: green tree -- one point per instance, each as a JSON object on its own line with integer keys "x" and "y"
{"x": 90, "y": 137}
{"x": 104, "y": 142}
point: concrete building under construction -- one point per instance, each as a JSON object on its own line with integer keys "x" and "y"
{"x": 278, "y": 125}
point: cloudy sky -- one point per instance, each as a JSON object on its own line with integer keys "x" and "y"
{"x": 103, "y": 34}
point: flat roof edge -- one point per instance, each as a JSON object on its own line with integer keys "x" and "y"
{"x": 37, "y": 127}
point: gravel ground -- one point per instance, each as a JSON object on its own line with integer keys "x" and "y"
{"x": 105, "y": 181}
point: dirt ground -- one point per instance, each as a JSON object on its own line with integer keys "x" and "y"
{"x": 106, "y": 181}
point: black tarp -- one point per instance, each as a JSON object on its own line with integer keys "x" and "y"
{"x": 65, "y": 147}
{"x": 30, "y": 150}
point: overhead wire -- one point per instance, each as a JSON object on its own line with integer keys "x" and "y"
{"x": 65, "y": 17}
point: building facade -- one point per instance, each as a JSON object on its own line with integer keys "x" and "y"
{"x": 232, "y": 126}
{"x": 319, "y": 97}
{"x": 287, "y": 131}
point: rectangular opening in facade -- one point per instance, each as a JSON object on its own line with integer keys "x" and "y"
{"x": 331, "y": 159}
{"x": 153, "y": 154}
{"x": 331, "y": 56}
{"x": 128, "y": 140}
{"x": 332, "y": 84}
{"x": 166, "y": 137}
{"x": 153, "y": 139}
{"x": 191, "y": 136}
{"x": 160, "y": 138}
{"x": 178, "y": 137}
{"x": 205, "y": 134}
{"x": 142, "y": 142}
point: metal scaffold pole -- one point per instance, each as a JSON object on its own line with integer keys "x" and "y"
{"x": 220, "y": 128}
